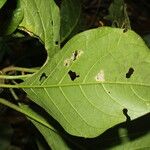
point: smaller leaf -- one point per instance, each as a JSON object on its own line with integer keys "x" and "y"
{"x": 2, "y": 2}
{"x": 118, "y": 14}
{"x": 70, "y": 15}
{"x": 53, "y": 139}
{"x": 41, "y": 19}
{"x": 10, "y": 17}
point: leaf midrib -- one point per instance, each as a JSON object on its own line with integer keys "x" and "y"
{"x": 65, "y": 85}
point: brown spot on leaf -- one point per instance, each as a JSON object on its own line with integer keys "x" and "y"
{"x": 75, "y": 55}
{"x": 100, "y": 76}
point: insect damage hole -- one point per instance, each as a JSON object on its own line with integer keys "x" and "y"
{"x": 56, "y": 43}
{"x": 76, "y": 54}
{"x": 129, "y": 73}
{"x": 125, "y": 112}
{"x": 73, "y": 75}
{"x": 100, "y": 76}
{"x": 43, "y": 77}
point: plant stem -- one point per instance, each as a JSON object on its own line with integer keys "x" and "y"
{"x": 14, "y": 94}
{"x": 8, "y": 77}
{"x": 11, "y": 68}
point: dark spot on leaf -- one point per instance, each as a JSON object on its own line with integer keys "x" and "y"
{"x": 125, "y": 112}
{"x": 43, "y": 76}
{"x": 109, "y": 92}
{"x": 56, "y": 42}
{"x": 52, "y": 23}
{"x": 73, "y": 75}
{"x": 125, "y": 30}
{"x": 129, "y": 73}
{"x": 75, "y": 54}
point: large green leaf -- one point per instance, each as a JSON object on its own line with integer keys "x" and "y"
{"x": 70, "y": 15}
{"x": 98, "y": 74}
{"x": 41, "y": 19}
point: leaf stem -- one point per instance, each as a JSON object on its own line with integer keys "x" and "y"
{"x": 11, "y": 68}
{"x": 8, "y": 77}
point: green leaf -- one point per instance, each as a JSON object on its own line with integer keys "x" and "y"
{"x": 51, "y": 135}
{"x": 118, "y": 14}
{"x": 41, "y": 19}
{"x": 70, "y": 15}
{"x": 11, "y": 16}
{"x": 2, "y": 2}
{"x": 96, "y": 75}
{"x": 53, "y": 138}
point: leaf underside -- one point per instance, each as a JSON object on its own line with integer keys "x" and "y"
{"x": 98, "y": 74}
{"x": 41, "y": 19}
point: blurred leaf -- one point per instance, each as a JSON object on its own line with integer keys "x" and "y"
{"x": 70, "y": 16}
{"x": 2, "y": 2}
{"x": 147, "y": 40}
{"x": 10, "y": 17}
{"x": 118, "y": 14}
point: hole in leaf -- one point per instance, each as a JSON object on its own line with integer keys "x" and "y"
{"x": 73, "y": 75}
{"x": 129, "y": 73}
{"x": 43, "y": 77}
{"x": 56, "y": 42}
{"x": 125, "y": 112}
{"x": 76, "y": 54}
